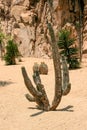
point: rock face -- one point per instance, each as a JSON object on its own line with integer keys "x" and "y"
{"x": 26, "y": 21}
{"x": 85, "y": 30}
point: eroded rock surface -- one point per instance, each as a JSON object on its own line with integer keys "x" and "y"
{"x": 26, "y": 21}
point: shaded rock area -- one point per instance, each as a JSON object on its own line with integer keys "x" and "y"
{"x": 26, "y": 21}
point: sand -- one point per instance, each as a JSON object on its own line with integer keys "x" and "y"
{"x": 17, "y": 113}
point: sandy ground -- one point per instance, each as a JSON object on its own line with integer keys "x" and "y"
{"x": 16, "y": 113}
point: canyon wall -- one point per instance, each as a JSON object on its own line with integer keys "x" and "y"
{"x": 26, "y": 22}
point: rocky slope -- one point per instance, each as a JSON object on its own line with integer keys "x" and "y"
{"x": 26, "y": 21}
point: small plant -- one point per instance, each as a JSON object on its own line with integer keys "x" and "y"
{"x": 2, "y": 37}
{"x": 11, "y": 53}
{"x": 66, "y": 46}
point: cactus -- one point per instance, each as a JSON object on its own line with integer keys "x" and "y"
{"x": 43, "y": 68}
{"x": 61, "y": 79}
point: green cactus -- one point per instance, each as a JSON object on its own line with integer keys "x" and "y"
{"x": 67, "y": 49}
{"x": 12, "y": 53}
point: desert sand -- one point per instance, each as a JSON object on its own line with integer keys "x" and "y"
{"x": 17, "y": 113}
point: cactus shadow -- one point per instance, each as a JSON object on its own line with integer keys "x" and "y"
{"x": 67, "y": 108}
{"x": 37, "y": 114}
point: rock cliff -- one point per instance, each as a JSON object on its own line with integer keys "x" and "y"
{"x": 26, "y": 21}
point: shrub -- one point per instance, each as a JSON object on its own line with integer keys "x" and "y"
{"x": 2, "y": 37}
{"x": 66, "y": 46}
{"x": 11, "y": 53}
